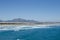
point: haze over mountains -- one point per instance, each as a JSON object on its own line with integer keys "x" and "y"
{"x": 19, "y": 20}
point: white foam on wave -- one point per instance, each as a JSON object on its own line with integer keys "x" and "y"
{"x": 24, "y": 27}
{"x": 17, "y": 28}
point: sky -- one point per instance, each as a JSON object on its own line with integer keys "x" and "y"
{"x": 40, "y": 10}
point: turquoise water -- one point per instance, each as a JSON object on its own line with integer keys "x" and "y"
{"x": 32, "y": 34}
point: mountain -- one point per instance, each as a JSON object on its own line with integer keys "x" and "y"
{"x": 1, "y": 21}
{"x": 16, "y": 20}
{"x": 20, "y": 20}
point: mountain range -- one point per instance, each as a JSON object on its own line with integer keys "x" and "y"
{"x": 19, "y": 20}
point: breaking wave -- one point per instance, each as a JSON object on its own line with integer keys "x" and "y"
{"x": 17, "y": 28}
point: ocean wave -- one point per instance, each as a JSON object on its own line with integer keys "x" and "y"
{"x": 17, "y": 28}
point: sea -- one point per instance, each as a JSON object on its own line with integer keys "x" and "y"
{"x": 30, "y": 33}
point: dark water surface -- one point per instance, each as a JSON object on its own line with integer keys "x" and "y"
{"x": 32, "y": 34}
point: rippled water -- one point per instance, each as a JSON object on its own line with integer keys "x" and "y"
{"x": 52, "y": 33}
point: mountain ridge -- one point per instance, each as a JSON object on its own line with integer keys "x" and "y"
{"x": 19, "y": 20}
